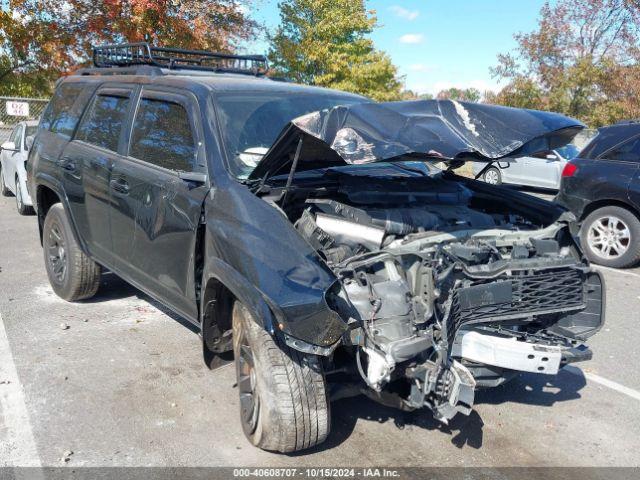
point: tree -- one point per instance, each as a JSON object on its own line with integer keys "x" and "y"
{"x": 465, "y": 95}
{"x": 582, "y": 60}
{"x": 324, "y": 42}
{"x": 40, "y": 41}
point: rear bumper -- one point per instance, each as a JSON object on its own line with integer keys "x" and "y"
{"x": 571, "y": 202}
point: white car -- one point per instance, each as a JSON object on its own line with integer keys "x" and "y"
{"x": 541, "y": 170}
{"x": 13, "y": 156}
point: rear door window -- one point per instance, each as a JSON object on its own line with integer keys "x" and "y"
{"x": 163, "y": 135}
{"x": 102, "y": 124}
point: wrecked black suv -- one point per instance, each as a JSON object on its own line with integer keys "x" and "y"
{"x": 322, "y": 240}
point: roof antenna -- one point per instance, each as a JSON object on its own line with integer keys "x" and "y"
{"x": 292, "y": 172}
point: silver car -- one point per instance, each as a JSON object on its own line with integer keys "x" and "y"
{"x": 541, "y": 170}
{"x": 13, "y": 176}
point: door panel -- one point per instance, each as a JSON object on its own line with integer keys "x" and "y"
{"x": 542, "y": 172}
{"x": 154, "y": 218}
{"x": 86, "y": 172}
{"x": 10, "y": 159}
{"x": 86, "y": 166}
{"x": 155, "y": 214}
{"x": 511, "y": 170}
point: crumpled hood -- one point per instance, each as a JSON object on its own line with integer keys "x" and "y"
{"x": 439, "y": 130}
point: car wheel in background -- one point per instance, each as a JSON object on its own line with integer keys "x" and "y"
{"x": 492, "y": 176}
{"x": 610, "y": 236}
{"x": 73, "y": 275}
{"x": 3, "y": 188}
{"x": 283, "y": 398}
{"x": 22, "y": 208}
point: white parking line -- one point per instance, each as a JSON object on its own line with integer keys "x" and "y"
{"x": 615, "y": 270}
{"x": 17, "y": 445}
{"x": 630, "y": 392}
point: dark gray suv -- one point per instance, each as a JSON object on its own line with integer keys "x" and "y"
{"x": 309, "y": 235}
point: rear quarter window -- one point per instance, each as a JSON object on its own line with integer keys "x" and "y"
{"x": 65, "y": 108}
{"x": 627, "y": 152}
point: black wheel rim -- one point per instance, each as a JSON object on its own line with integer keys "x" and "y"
{"x": 247, "y": 386}
{"x": 57, "y": 253}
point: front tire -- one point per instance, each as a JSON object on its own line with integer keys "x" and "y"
{"x": 492, "y": 176}
{"x": 610, "y": 236}
{"x": 20, "y": 206}
{"x": 72, "y": 274}
{"x": 283, "y": 398}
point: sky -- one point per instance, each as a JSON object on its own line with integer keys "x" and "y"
{"x": 437, "y": 44}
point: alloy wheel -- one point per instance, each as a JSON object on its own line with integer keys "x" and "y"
{"x": 609, "y": 237}
{"x": 491, "y": 177}
{"x": 57, "y": 254}
{"x": 247, "y": 386}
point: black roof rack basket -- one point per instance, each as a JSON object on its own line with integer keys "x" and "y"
{"x": 131, "y": 54}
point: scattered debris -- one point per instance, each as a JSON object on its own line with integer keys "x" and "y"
{"x": 64, "y": 326}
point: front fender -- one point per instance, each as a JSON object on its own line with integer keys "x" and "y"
{"x": 264, "y": 258}
{"x": 241, "y": 288}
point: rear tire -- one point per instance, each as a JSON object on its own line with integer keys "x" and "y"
{"x": 610, "y": 236}
{"x": 72, "y": 274}
{"x": 492, "y": 176}
{"x": 20, "y": 206}
{"x": 283, "y": 397}
{"x": 3, "y": 188}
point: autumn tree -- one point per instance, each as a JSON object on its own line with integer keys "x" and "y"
{"x": 582, "y": 60}
{"x": 325, "y": 42}
{"x": 40, "y": 40}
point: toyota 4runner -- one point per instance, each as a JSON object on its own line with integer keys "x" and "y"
{"x": 322, "y": 240}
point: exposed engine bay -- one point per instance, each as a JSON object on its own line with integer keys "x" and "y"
{"x": 444, "y": 287}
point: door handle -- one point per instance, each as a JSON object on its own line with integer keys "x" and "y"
{"x": 120, "y": 185}
{"x": 67, "y": 164}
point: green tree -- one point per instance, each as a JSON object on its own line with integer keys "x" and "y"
{"x": 325, "y": 43}
{"x": 465, "y": 95}
{"x": 582, "y": 60}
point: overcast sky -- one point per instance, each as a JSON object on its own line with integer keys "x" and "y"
{"x": 439, "y": 44}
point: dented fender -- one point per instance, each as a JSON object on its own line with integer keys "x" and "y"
{"x": 254, "y": 251}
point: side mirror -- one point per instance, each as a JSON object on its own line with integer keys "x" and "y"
{"x": 552, "y": 156}
{"x": 196, "y": 177}
{"x": 9, "y": 147}
{"x": 29, "y": 141}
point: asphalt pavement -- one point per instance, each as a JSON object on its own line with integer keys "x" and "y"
{"x": 119, "y": 381}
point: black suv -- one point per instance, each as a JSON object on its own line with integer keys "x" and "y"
{"x": 310, "y": 234}
{"x": 601, "y": 186}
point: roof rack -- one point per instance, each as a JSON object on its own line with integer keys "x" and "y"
{"x": 131, "y": 54}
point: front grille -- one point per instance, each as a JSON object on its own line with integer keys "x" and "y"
{"x": 519, "y": 295}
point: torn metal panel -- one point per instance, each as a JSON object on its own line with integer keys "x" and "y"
{"x": 441, "y": 130}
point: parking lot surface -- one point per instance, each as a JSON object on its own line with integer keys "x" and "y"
{"x": 119, "y": 381}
